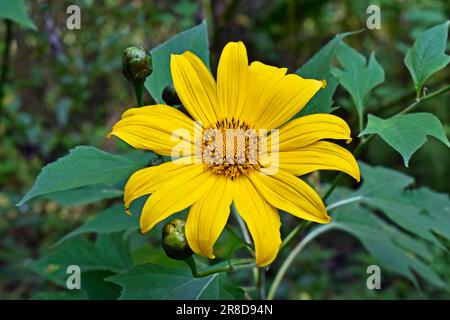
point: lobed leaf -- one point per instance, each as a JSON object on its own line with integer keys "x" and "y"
{"x": 406, "y": 133}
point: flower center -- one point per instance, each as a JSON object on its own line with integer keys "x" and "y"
{"x": 231, "y": 148}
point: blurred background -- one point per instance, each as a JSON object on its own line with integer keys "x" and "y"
{"x": 65, "y": 88}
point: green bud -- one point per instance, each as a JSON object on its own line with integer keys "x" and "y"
{"x": 136, "y": 64}
{"x": 174, "y": 240}
{"x": 170, "y": 96}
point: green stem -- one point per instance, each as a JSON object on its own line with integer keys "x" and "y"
{"x": 226, "y": 266}
{"x": 413, "y": 105}
{"x": 5, "y": 60}
{"x": 294, "y": 253}
{"x": 262, "y": 283}
{"x": 139, "y": 91}
{"x": 293, "y": 233}
{"x": 247, "y": 239}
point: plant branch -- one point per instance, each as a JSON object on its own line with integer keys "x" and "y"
{"x": 220, "y": 267}
{"x": 294, "y": 253}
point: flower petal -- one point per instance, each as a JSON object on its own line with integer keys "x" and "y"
{"x": 195, "y": 86}
{"x": 158, "y": 128}
{"x": 146, "y": 181}
{"x": 176, "y": 194}
{"x": 289, "y": 96}
{"x": 261, "y": 218}
{"x": 305, "y": 130}
{"x": 208, "y": 216}
{"x": 261, "y": 79}
{"x": 321, "y": 155}
{"x": 291, "y": 194}
{"x": 232, "y": 80}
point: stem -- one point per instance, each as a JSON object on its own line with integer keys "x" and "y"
{"x": 423, "y": 98}
{"x": 293, "y": 233}
{"x": 343, "y": 202}
{"x": 247, "y": 239}
{"x": 5, "y": 60}
{"x": 262, "y": 283}
{"x": 139, "y": 91}
{"x": 294, "y": 253}
{"x": 237, "y": 265}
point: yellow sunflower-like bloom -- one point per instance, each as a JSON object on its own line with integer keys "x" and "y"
{"x": 255, "y": 96}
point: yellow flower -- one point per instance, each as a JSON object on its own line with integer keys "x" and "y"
{"x": 255, "y": 96}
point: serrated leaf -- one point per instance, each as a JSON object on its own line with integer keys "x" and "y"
{"x": 427, "y": 55}
{"x": 194, "y": 40}
{"x": 83, "y": 166}
{"x": 318, "y": 67}
{"x": 16, "y": 11}
{"x": 357, "y": 76}
{"x": 153, "y": 281}
{"x": 113, "y": 219}
{"x": 110, "y": 252}
{"x": 406, "y": 133}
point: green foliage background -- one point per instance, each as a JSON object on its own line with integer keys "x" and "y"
{"x": 65, "y": 89}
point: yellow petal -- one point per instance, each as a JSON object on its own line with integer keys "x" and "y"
{"x": 232, "y": 77}
{"x": 261, "y": 78}
{"x": 208, "y": 216}
{"x": 289, "y": 96}
{"x": 261, "y": 218}
{"x": 153, "y": 127}
{"x": 195, "y": 86}
{"x": 146, "y": 181}
{"x": 291, "y": 194}
{"x": 176, "y": 194}
{"x": 305, "y": 130}
{"x": 321, "y": 155}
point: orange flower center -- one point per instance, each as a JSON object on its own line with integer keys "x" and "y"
{"x": 231, "y": 148}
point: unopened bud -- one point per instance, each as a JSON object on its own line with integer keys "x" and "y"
{"x": 136, "y": 64}
{"x": 174, "y": 240}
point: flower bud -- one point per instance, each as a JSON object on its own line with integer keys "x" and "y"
{"x": 170, "y": 96}
{"x": 174, "y": 240}
{"x": 136, "y": 64}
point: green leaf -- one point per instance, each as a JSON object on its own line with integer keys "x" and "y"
{"x": 194, "y": 40}
{"x": 394, "y": 249}
{"x": 318, "y": 67}
{"x": 357, "y": 76}
{"x": 406, "y": 133}
{"x": 323, "y": 101}
{"x": 110, "y": 252}
{"x": 93, "y": 282}
{"x": 113, "y": 219}
{"x": 427, "y": 55}
{"x": 83, "y": 166}
{"x": 61, "y": 295}
{"x": 16, "y": 11}
{"x": 86, "y": 195}
{"x": 153, "y": 281}
{"x": 418, "y": 215}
